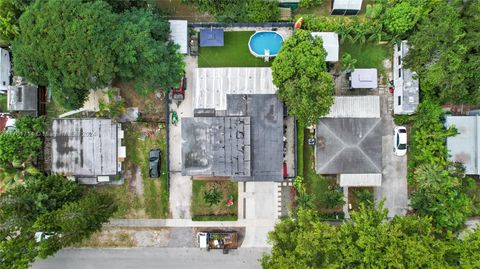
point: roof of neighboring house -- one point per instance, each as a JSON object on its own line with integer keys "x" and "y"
{"x": 347, "y": 4}
{"x": 355, "y": 107}
{"x": 465, "y": 146}
{"x": 5, "y": 69}
{"x": 406, "y": 94}
{"x": 364, "y": 78}
{"x": 212, "y": 37}
{"x": 330, "y": 44}
{"x": 246, "y": 143}
{"x": 22, "y": 98}
{"x": 211, "y": 85}
{"x": 179, "y": 34}
{"x": 85, "y": 147}
{"x": 349, "y": 145}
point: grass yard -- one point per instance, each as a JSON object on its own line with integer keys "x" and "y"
{"x": 234, "y": 53}
{"x": 3, "y": 103}
{"x": 203, "y": 211}
{"x": 368, "y": 55}
{"x": 141, "y": 196}
{"x": 319, "y": 186}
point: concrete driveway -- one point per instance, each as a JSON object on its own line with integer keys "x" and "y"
{"x": 181, "y": 186}
{"x": 394, "y": 187}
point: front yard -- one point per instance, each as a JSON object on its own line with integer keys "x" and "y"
{"x": 203, "y": 210}
{"x": 141, "y": 196}
{"x": 234, "y": 53}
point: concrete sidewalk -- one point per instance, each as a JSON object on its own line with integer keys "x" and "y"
{"x": 189, "y": 223}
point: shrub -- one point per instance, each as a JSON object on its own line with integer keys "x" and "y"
{"x": 215, "y": 218}
{"x": 403, "y": 119}
{"x": 300, "y": 142}
{"x": 310, "y": 3}
{"x": 262, "y": 11}
{"x": 212, "y": 197}
{"x": 333, "y": 198}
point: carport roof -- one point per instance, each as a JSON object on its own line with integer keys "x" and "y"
{"x": 211, "y": 37}
{"x": 349, "y": 145}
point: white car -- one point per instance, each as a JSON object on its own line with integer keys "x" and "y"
{"x": 400, "y": 141}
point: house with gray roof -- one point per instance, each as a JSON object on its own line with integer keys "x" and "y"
{"x": 243, "y": 142}
{"x": 349, "y": 141}
{"x": 465, "y": 146}
{"x": 406, "y": 95}
{"x": 87, "y": 149}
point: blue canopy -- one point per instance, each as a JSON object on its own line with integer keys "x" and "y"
{"x": 211, "y": 38}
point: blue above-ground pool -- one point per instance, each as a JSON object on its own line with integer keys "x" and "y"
{"x": 265, "y": 43}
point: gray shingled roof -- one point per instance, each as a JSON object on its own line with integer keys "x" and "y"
{"x": 349, "y": 145}
{"x": 84, "y": 147}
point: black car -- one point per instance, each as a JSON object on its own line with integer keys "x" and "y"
{"x": 154, "y": 163}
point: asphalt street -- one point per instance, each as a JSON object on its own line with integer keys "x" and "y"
{"x": 152, "y": 258}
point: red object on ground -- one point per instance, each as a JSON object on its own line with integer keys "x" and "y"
{"x": 298, "y": 24}
{"x": 391, "y": 89}
{"x": 229, "y": 202}
{"x": 284, "y": 169}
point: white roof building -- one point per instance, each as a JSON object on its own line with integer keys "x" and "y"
{"x": 465, "y": 146}
{"x": 355, "y": 107}
{"x": 330, "y": 44}
{"x": 364, "y": 78}
{"x": 406, "y": 94}
{"x": 346, "y": 7}
{"x": 211, "y": 85}
{"x": 5, "y": 69}
{"x": 179, "y": 34}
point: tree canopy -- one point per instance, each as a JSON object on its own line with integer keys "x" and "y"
{"x": 49, "y": 204}
{"x": 74, "y": 46}
{"x": 367, "y": 241}
{"x": 300, "y": 73}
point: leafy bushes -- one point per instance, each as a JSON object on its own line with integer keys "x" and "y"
{"x": 212, "y": 197}
{"x": 310, "y": 3}
{"x": 215, "y": 218}
{"x": 300, "y": 144}
{"x": 262, "y": 11}
{"x": 428, "y": 138}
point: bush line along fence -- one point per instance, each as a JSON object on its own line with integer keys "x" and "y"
{"x": 239, "y": 24}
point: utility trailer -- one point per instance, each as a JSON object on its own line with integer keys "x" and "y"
{"x": 217, "y": 240}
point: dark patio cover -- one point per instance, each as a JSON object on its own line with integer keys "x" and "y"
{"x": 211, "y": 38}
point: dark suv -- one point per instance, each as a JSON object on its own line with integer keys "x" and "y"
{"x": 154, "y": 163}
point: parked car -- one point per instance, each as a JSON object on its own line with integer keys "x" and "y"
{"x": 154, "y": 163}
{"x": 400, "y": 141}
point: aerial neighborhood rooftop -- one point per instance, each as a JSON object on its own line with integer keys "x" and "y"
{"x": 270, "y": 129}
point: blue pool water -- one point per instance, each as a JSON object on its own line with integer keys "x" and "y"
{"x": 261, "y": 41}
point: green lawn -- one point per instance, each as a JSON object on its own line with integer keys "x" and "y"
{"x": 200, "y": 208}
{"x": 317, "y": 185}
{"x": 234, "y": 53}
{"x": 368, "y": 55}
{"x": 154, "y": 201}
{"x": 3, "y": 103}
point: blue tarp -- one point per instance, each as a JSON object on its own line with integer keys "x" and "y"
{"x": 211, "y": 37}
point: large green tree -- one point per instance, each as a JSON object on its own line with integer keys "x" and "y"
{"x": 145, "y": 54}
{"x": 50, "y": 204}
{"x": 369, "y": 240}
{"x": 67, "y": 46}
{"x": 441, "y": 193}
{"x": 300, "y": 73}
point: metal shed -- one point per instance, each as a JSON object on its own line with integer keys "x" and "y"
{"x": 346, "y": 7}
{"x": 330, "y": 44}
{"x": 22, "y": 98}
{"x": 179, "y": 34}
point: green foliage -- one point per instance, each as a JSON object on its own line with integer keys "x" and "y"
{"x": 333, "y": 198}
{"x": 212, "y": 197}
{"x": 403, "y": 119}
{"x": 10, "y": 11}
{"x": 348, "y": 63}
{"x": 22, "y": 144}
{"x": 440, "y": 193}
{"x": 401, "y": 18}
{"x": 66, "y": 45}
{"x": 428, "y": 138}
{"x": 113, "y": 108}
{"x": 145, "y": 53}
{"x": 310, "y": 3}
{"x": 51, "y": 204}
{"x": 373, "y": 11}
{"x": 299, "y": 72}
{"x": 364, "y": 197}
{"x": 262, "y": 11}
{"x": 368, "y": 241}
{"x": 444, "y": 54}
